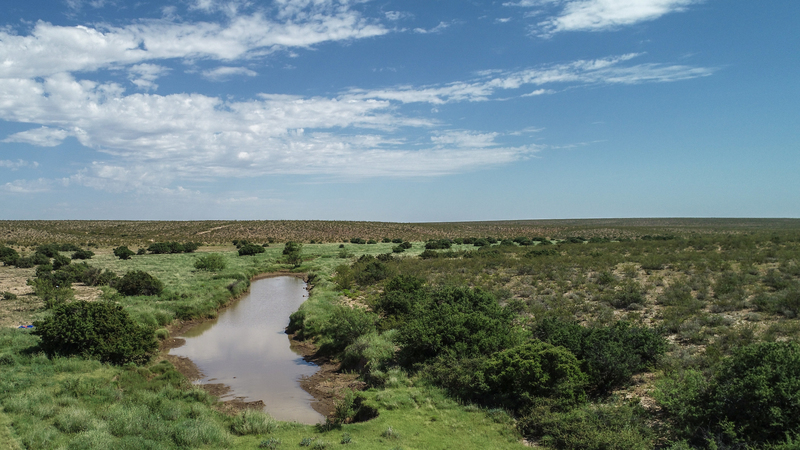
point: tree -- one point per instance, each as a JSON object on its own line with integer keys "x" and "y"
{"x": 123, "y": 252}
{"x": 138, "y": 282}
{"x": 292, "y": 251}
{"x": 100, "y": 330}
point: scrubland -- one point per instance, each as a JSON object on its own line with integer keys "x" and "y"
{"x": 677, "y": 333}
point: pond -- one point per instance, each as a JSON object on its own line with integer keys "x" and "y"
{"x": 246, "y": 348}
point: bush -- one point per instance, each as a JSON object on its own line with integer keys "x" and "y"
{"x": 138, "y": 282}
{"x": 250, "y": 421}
{"x": 99, "y": 330}
{"x": 40, "y": 258}
{"x": 609, "y": 355}
{"x": 60, "y": 261}
{"x": 213, "y": 262}
{"x": 293, "y": 250}
{"x": 370, "y": 351}
{"x": 371, "y": 272}
{"x": 83, "y": 254}
{"x": 24, "y": 263}
{"x": 455, "y": 321}
{"x": 750, "y": 400}
{"x": 344, "y": 327}
{"x": 123, "y": 252}
{"x": 439, "y": 244}
{"x": 251, "y": 250}
{"x": 52, "y": 295}
{"x": 8, "y": 255}
{"x": 49, "y": 250}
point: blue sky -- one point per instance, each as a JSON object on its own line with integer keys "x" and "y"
{"x": 405, "y": 111}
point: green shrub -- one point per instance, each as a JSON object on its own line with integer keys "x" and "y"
{"x": 751, "y": 399}
{"x": 591, "y": 427}
{"x": 344, "y": 326}
{"x": 8, "y": 255}
{"x": 370, "y": 271}
{"x": 123, "y": 252}
{"x": 292, "y": 251}
{"x": 49, "y": 250}
{"x": 138, "y": 282}
{"x": 23, "y": 263}
{"x": 370, "y": 351}
{"x": 40, "y": 258}
{"x": 610, "y": 355}
{"x": 99, "y": 330}
{"x": 52, "y": 295}
{"x": 9, "y": 295}
{"x": 627, "y": 294}
{"x": 60, "y": 261}
{"x": 343, "y": 277}
{"x": 83, "y": 254}
{"x": 456, "y": 321}
{"x": 213, "y": 262}
{"x": 250, "y": 421}
{"x": 251, "y": 250}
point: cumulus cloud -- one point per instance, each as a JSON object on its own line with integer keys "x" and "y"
{"x": 144, "y": 75}
{"x": 28, "y": 186}
{"x": 225, "y": 72}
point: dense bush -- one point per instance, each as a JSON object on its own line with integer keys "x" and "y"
{"x": 751, "y": 399}
{"x": 50, "y": 250}
{"x": 123, "y": 252}
{"x": 293, "y": 253}
{"x": 60, "y": 261}
{"x": 23, "y": 263}
{"x": 100, "y": 330}
{"x": 8, "y": 255}
{"x": 610, "y": 355}
{"x": 344, "y": 327}
{"x": 251, "y": 250}
{"x": 172, "y": 247}
{"x": 138, "y": 282}
{"x": 83, "y": 254}
{"x": 40, "y": 258}
{"x": 438, "y": 244}
{"x": 213, "y": 262}
{"x": 455, "y": 321}
{"x": 370, "y": 351}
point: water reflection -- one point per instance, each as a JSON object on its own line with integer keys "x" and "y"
{"x": 247, "y": 349}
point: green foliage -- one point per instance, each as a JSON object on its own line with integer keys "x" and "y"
{"x": 250, "y": 421}
{"x": 591, "y": 427}
{"x": 627, "y": 294}
{"x": 98, "y": 330}
{"x": 292, "y": 251}
{"x": 751, "y": 399}
{"x": 51, "y": 294}
{"x": 40, "y": 258}
{"x": 370, "y": 351}
{"x": 9, "y": 295}
{"x": 138, "y": 282}
{"x": 455, "y": 321}
{"x": 60, "y": 261}
{"x": 172, "y": 247}
{"x": 83, "y": 254}
{"x": 343, "y": 277}
{"x": 344, "y": 326}
{"x": 8, "y": 255}
{"x": 123, "y": 252}
{"x": 438, "y": 244}
{"x": 213, "y": 262}
{"x": 251, "y": 250}
{"x": 369, "y": 270}
{"x": 609, "y": 355}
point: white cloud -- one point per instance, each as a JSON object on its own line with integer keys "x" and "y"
{"x": 583, "y": 72}
{"x": 465, "y": 139}
{"x": 50, "y": 49}
{"x": 27, "y": 186}
{"x": 145, "y": 75}
{"x": 597, "y": 15}
{"x": 225, "y": 72}
{"x": 18, "y": 164}
{"x": 42, "y": 137}
{"x": 437, "y": 29}
{"x": 538, "y": 92}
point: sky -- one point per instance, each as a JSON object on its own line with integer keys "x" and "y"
{"x": 402, "y": 111}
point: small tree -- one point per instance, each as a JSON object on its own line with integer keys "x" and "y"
{"x": 251, "y": 249}
{"x": 123, "y": 252}
{"x": 100, "y": 330}
{"x": 83, "y": 254}
{"x": 292, "y": 251}
{"x": 138, "y": 282}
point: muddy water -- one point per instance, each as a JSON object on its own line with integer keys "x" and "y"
{"x": 247, "y": 349}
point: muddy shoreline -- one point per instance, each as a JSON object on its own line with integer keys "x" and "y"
{"x": 327, "y": 385}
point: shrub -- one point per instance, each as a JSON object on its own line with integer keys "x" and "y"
{"x": 40, "y": 258}
{"x": 49, "y": 250}
{"x": 8, "y": 255}
{"x": 83, "y": 254}
{"x": 138, "y": 282}
{"x": 251, "y": 421}
{"x": 344, "y": 327}
{"x": 213, "y": 262}
{"x": 628, "y": 293}
{"x": 93, "y": 276}
{"x": 370, "y": 351}
{"x": 60, "y": 261}
{"x": 343, "y": 277}
{"x": 251, "y": 250}
{"x": 456, "y": 321}
{"x": 99, "y": 330}
{"x": 439, "y": 244}
{"x": 293, "y": 250}
{"x": 371, "y": 272}
{"x": 750, "y": 400}
{"x": 609, "y": 355}
{"x": 52, "y": 295}
{"x": 123, "y": 252}
{"x": 24, "y": 263}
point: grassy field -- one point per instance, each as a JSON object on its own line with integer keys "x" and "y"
{"x": 709, "y": 287}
